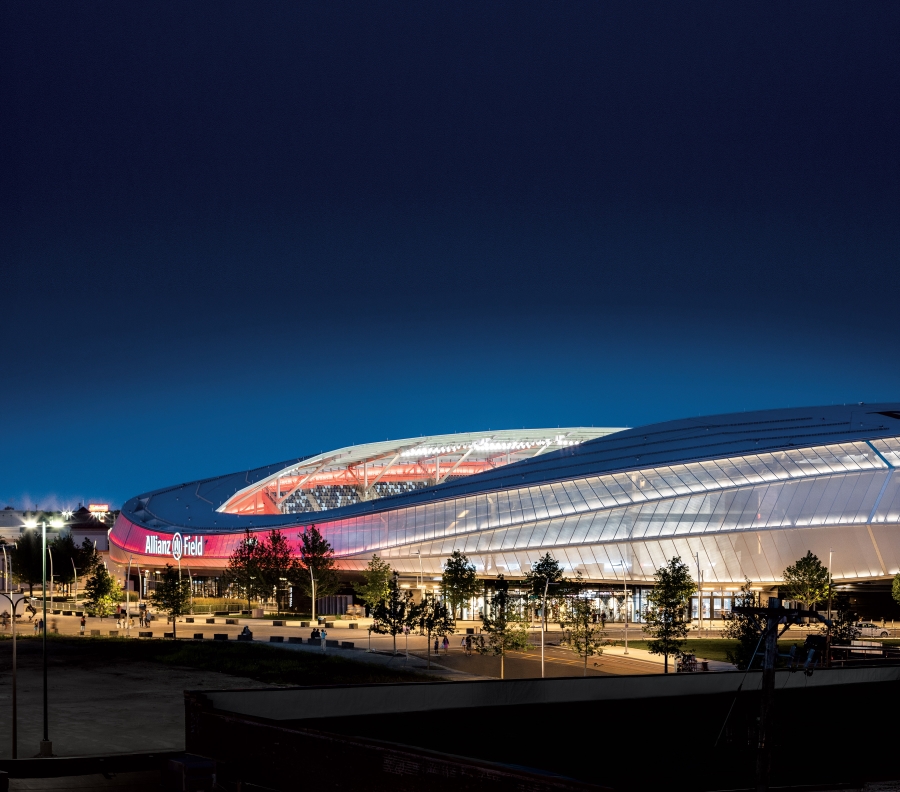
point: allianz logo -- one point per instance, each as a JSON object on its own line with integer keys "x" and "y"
{"x": 176, "y": 547}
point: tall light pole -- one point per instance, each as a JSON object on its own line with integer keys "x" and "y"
{"x": 75, "y": 572}
{"x": 128, "y": 598}
{"x": 13, "y": 600}
{"x": 5, "y": 568}
{"x": 312, "y": 582}
{"x": 46, "y": 745}
{"x": 544, "y": 622}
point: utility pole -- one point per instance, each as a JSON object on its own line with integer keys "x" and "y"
{"x": 772, "y": 617}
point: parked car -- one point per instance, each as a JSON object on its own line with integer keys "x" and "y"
{"x": 870, "y": 630}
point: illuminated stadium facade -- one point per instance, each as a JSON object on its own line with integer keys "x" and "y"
{"x": 740, "y": 495}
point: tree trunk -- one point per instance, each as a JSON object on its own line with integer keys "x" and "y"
{"x": 501, "y": 664}
{"x": 395, "y": 643}
{"x": 585, "y": 663}
{"x": 665, "y": 662}
{"x": 428, "y": 637}
{"x": 173, "y": 628}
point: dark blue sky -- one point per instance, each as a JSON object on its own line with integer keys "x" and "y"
{"x": 240, "y": 232}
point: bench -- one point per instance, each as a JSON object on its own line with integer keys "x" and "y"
{"x": 210, "y": 621}
{"x": 168, "y": 635}
{"x": 198, "y": 636}
{"x": 113, "y": 633}
{"x": 245, "y": 637}
{"x": 278, "y": 623}
{"x": 189, "y": 619}
{"x": 67, "y": 613}
{"x": 346, "y": 644}
{"x": 231, "y": 621}
{"x": 95, "y": 633}
{"x": 334, "y": 644}
{"x": 295, "y": 639}
{"x": 143, "y": 634}
{"x": 220, "y": 636}
{"x": 353, "y": 625}
{"x": 329, "y": 625}
{"x": 314, "y": 641}
{"x": 276, "y": 639}
{"x": 305, "y": 624}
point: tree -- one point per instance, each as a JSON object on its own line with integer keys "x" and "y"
{"x": 583, "y": 633}
{"x": 172, "y": 595}
{"x": 895, "y": 588}
{"x": 277, "y": 564}
{"x": 744, "y": 629}
{"x": 246, "y": 569}
{"x": 807, "y": 581}
{"x": 505, "y": 628}
{"x": 315, "y": 574}
{"x": 26, "y": 561}
{"x": 87, "y": 559}
{"x": 434, "y": 619}
{"x": 64, "y": 552}
{"x": 544, "y": 573}
{"x": 458, "y": 581}
{"x": 394, "y": 612}
{"x": 843, "y": 620}
{"x": 667, "y": 620}
{"x": 376, "y": 582}
{"x": 102, "y": 592}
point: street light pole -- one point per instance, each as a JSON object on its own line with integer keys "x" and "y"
{"x": 544, "y": 622}
{"x": 75, "y": 572}
{"x": 128, "y": 598}
{"x": 46, "y": 745}
{"x": 15, "y": 718}
{"x": 5, "y": 569}
{"x": 312, "y": 582}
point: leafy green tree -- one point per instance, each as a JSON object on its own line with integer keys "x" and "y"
{"x": 64, "y": 552}
{"x": 666, "y": 620}
{"x": 582, "y": 632}
{"x": 434, "y": 619}
{"x": 246, "y": 569}
{"x": 172, "y": 595}
{"x": 376, "y": 582}
{"x": 87, "y": 559}
{"x": 316, "y": 564}
{"x": 895, "y": 588}
{"x": 503, "y": 625}
{"x": 26, "y": 561}
{"x": 277, "y": 565}
{"x": 459, "y": 582}
{"x": 395, "y": 612}
{"x": 744, "y": 629}
{"x": 545, "y": 577}
{"x": 843, "y": 620}
{"x": 102, "y": 592}
{"x": 806, "y": 581}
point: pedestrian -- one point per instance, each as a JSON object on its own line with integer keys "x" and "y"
{"x": 462, "y": 643}
{"x": 468, "y": 646}
{"x": 323, "y": 634}
{"x": 435, "y": 646}
{"x": 446, "y": 644}
{"x": 602, "y": 620}
{"x": 83, "y": 623}
{"x": 37, "y": 626}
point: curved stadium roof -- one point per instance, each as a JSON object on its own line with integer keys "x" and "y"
{"x": 745, "y": 490}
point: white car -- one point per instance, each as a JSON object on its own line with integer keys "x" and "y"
{"x": 870, "y": 630}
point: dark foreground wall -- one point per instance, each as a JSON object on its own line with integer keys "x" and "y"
{"x": 625, "y": 732}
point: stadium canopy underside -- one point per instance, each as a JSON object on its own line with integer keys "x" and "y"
{"x": 743, "y": 495}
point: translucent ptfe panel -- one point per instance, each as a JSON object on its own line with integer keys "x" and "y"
{"x": 889, "y": 449}
{"x": 828, "y": 484}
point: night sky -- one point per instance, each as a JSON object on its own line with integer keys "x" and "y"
{"x": 235, "y": 233}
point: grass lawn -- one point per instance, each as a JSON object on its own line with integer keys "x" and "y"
{"x": 263, "y": 663}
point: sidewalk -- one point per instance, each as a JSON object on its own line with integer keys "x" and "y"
{"x": 645, "y": 656}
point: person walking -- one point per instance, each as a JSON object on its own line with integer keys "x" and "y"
{"x": 323, "y": 634}
{"x": 446, "y": 644}
{"x": 37, "y": 626}
{"x": 83, "y": 623}
{"x": 436, "y": 645}
{"x": 468, "y": 646}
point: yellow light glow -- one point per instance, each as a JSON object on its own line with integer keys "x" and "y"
{"x": 56, "y": 523}
{"x": 31, "y": 523}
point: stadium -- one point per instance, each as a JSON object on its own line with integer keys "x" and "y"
{"x": 738, "y": 496}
